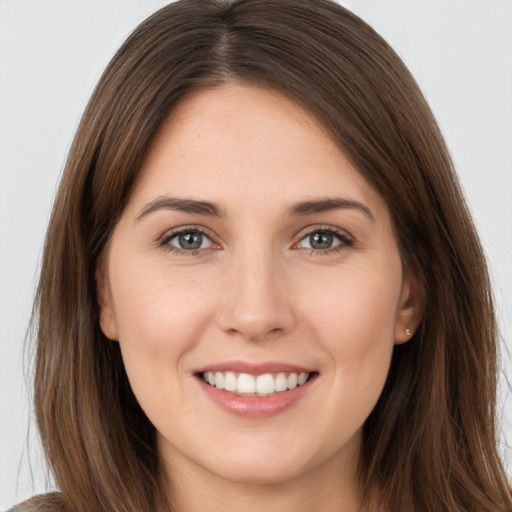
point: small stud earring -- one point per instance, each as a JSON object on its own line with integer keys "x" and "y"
{"x": 408, "y": 332}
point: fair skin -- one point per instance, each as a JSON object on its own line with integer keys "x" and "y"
{"x": 290, "y": 268}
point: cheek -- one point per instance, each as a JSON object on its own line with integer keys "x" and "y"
{"x": 157, "y": 305}
{"x": 356, "y": 306}
{"x": 353, "y": 318}
{"x": 159, "y": 320}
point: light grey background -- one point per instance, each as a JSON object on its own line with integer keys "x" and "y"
{"x": 51, "y": 55}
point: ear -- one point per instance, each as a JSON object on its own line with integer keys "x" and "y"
{"x": 108, "y": 323}
{"x": 410, "y": 309}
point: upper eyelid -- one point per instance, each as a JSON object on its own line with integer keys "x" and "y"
{"x": 320, "y": 227}
{"x": 172, "y": 232}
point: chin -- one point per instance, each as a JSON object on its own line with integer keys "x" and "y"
{"x": 281, "y": 461}
{"x": 272, "y": 471}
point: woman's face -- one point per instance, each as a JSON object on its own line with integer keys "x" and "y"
{"x": 253, "y": 255}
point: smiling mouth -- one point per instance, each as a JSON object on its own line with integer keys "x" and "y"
{"x": 266, "y": 384}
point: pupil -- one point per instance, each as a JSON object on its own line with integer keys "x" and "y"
{"x": 190, "y": 241}
{"x": 320, "y": 240}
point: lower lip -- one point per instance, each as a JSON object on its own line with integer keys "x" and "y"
{"x": 256, "y": 406}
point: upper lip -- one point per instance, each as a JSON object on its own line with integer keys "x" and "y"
{"x": 254, "y": 368}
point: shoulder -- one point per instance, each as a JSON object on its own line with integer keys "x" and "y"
{"x": 51, "y": 502}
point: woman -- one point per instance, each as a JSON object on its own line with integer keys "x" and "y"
{"x": 261, "y": 286}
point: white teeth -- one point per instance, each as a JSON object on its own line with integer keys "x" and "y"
{"x": 265, "y": 384}
{"x": 219, "y": 380}
{"x": 301, "y": 379}
{"x": 246, "y": 383}
{"x": 260, "y": 385}
{"x": 281, "y": 383}
{"x": 292, "y": 380}
{"x": 230, "y": 382}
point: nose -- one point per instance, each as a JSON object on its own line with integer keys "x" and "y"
{"x": 257, "y": 304}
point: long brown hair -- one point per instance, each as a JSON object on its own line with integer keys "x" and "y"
{"x": 430, "y": 442}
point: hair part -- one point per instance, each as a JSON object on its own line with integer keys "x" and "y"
{"x": 430, "y": 443}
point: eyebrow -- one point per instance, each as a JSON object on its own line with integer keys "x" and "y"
{"x": 325, "y": 205}
{"x": 209, "y": 209}
{"x": 183, "y": 205}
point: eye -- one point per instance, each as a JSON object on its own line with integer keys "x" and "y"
{"x": 324, "y": 239}
{"x": 188, "y": 240}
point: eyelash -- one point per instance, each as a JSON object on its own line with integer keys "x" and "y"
{"x": 345, "y": 240}
{"x": 166, "y": 239}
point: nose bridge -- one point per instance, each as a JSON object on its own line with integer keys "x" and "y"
{"x": 257, "y": 304}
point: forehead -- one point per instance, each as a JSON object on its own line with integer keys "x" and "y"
{"x": 249, "y": 143}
